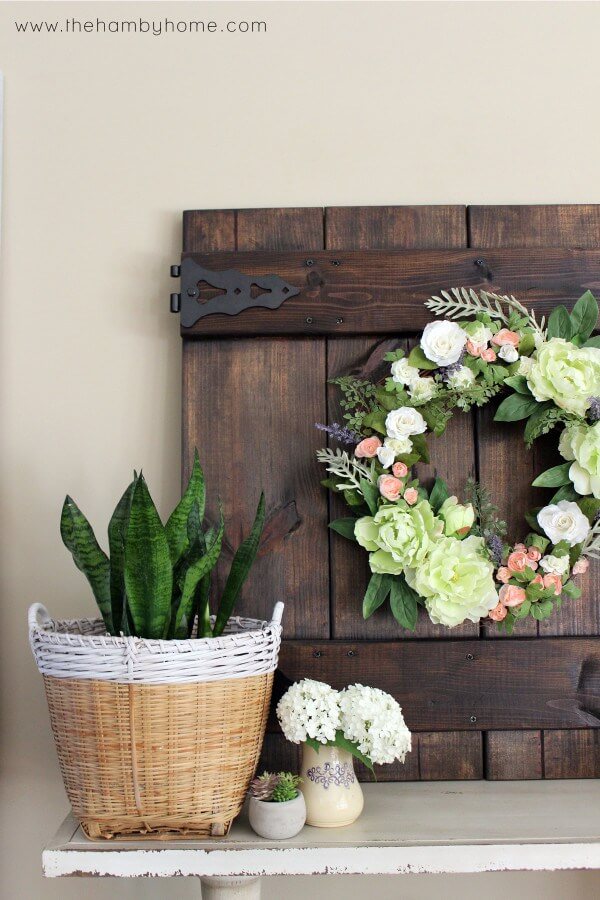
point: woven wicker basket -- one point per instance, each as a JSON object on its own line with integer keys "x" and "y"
{"x": 156, "y": 739}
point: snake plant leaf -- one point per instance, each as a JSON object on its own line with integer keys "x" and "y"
{"x": 148, "y": 570}
{"x": 194, "y": 575}
{"x": 117, "y": 529}
{"x": 78, "y": 537}
{"x": 201, "y": 609}
{"x": 240, "y": 567}
{"x": 177, "y": 525}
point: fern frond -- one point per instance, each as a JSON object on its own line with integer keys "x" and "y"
{"x": 467, "y": 302}
{"x": 347, "y": 468}
{"x": 591, "y": 545}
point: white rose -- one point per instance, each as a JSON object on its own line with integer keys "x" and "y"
{"x": 399, "y": 445}
{"x": 508, "y": 353}
{"x": 403, "y": 373}
{"x": 461, "y": 379}
{"x": 422, "y": 390}
{"x": 525, "y": 365}
{"x": 403, "y": 422}
{"x": 386, "y": 456}
{"x": 555, "y": 565}
{"x": 442, "y": 342}
{"x": 564, "y": 521}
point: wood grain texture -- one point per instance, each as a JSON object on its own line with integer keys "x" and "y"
{"x": 382, "y": 291}
{"x": 452, "y": 685}
{"x": 571, "y": 754}
{"x": 537, "y": 227}
{"x": 513, "y": 755}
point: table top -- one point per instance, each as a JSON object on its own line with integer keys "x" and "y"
{"x": 436, "y": 827}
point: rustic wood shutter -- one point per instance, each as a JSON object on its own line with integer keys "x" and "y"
{"x": 254, "y": 384}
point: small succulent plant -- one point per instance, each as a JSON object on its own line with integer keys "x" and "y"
{"x": 275, "y": 788}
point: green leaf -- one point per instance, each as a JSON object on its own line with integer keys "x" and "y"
{"x": 314, "y": 743}
{"x": 519, "y": 384}
{"x": 376, "y": 593}
{"x": 344, "y": 744}
{"x": 571, "y": 590}
{"x": 418, "y": 360}
{"x": 527, "y": 344}
{"x": 345, "y": 527}
{"x": 371, "y": 494}
{"x": 559, "y": 323}
{"x": 584, "y": 315}
{"x": 194, "y": 575}
{"x": 593, "y": 342}
{"x": 590, "y": 507}
{"x": 176, "y": 528}
{"x": 117, "y": 529}
{"x": 520, "y": 612}
{"x": 376, "y": 421}
{"x": 403, "y": 603}
{"x": 439, "y": 493}
{"x": 240, "y": 568}
{"x": 420, "y": 446}
{"x": 567, "y": 492}
{"x": 148, "y": 569}
{"x": 515, "y": 407}
{"x": 531, "y": 518}
{"x": 78, "y": 537}
{"x": 554, "y": 477}
{"x": 541, "y": 421}
{"x": 387, "y": 400}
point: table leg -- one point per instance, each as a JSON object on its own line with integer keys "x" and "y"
{"x": 242, "y": 888}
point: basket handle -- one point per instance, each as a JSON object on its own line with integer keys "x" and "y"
{"x": 277, "y": 613}
{"x": 38, "y": 616}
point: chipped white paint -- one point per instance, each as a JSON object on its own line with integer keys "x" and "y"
{"x": 442, "y": 827}
{"x": 230, "y": 888}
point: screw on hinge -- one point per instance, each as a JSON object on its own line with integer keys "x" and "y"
{"x": 310, "y": 262}
{"x": 339, "y": 320}
{"x": 483, "y": 268}
{"x": 175, "y": 271}
{"x": 175, "y": 303}
{"x": 470, "y": 656}
{"x": 335, "y": 262}
{"x": 472, "y": 719}
{"x": 317, "y": 653}
{"x": 351, "y": 653}
{"x": 192, "y": 292}
{"x": 309, "y": 320}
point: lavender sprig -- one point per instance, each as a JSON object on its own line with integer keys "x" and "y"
{"x": 340, "y": 433}
{"x": 594, "y": 409}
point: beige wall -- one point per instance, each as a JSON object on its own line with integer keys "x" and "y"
{"x": 107, "y": 139}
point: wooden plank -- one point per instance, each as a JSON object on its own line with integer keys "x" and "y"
{"x": 450, "y": 685}
{"x": 395, "y": 228}
{"x": 382, "y": 291}
{"x": 571, "y": 754}
{"x": 539, "y": 227}
{"x": 513, "y": 755}
{"x": 237, "y": 398}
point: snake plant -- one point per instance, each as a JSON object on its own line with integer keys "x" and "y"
{"x": 156, "y": 583}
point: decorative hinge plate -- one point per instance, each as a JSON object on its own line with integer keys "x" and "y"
{"x": 206, "y": 292}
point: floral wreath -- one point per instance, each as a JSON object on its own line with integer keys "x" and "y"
{"x": 425, "y": 548}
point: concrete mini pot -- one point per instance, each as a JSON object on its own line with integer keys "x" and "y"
{"x": 277, "y": 821}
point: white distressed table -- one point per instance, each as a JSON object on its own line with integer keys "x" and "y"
{"x": 435, "y": 827}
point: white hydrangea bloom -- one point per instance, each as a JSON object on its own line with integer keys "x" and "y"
{"x": 309, "y": 709}
{"x": 374, "y": 721}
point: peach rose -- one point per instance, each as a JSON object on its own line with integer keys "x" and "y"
{"x": 488, "y": 355}
{"x": 537, "y": 580}
{"x": 553, "y": 581}
{"x": 400, "y": 470}
{"x": 504, "y": 336}
{"x": 520, "y": 547}
{"x": 411, "y": 496}
{"x": 503, "y": 574}
{"x": 581, "y": 566}
{"x": 534, "y": 555}
{"x": 511, "y": 595}
{"x": 368, "y": 448}
{"x": 498, "y": 613}
{"x": 518, "y": 561}
{"x": 473, "y": 349}
{"x": 389, "y": 487}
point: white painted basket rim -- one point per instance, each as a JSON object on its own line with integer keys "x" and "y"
{"x": 80, "y": 648}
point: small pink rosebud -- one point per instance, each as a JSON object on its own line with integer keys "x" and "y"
{"x": 488, "y": 355}
{"x": 553, "y": 581}
{"x": 520, "y": 547}
{"x": 534, "y": 555}
{"x": 498, "y": 613}
{"x": 511, "y": 595}
{"x": 473, "y": 349}
{"x": 581, "y": 566}
{"x": 505, "y": 336}
{"x": 367, "y": 448}
{"x": 411, "y": 496}
{"x": 503, "y": 574}
{"x": 400, "y": 470}
{"x": 537, "y": 580}
{"x": 389, "y": 487}
{"x": 518, "y": 561}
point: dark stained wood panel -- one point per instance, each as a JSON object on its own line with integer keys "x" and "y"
{"x": 567, "y": 225}
{"x": 383, "y": 291}
{"x": 571, "y": 754}
{"x": 395, "y": 227}
{"x": 453, "y": 685}
{"x": 513, "y": 755}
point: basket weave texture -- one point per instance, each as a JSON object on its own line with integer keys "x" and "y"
{"x": 149, "y": 747}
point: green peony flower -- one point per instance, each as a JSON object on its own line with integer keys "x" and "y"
{"x": 398, "y": 535}
{"x": 581, "y": 443}
{"x": 456, "y": 580}
{"x": 458, "y": 519}
{"x": 565, "y": 374}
